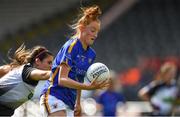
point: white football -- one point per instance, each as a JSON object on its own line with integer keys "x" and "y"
{"x": 99, "y": 71}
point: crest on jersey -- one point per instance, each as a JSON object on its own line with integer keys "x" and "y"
{"x": 55, "y": 105}
{"x": 83, "y": 58}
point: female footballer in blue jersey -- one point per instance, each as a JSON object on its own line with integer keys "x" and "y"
{"x": 61, "y": 96}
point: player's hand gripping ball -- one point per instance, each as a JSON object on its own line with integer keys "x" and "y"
{"x": 98, "y": 71}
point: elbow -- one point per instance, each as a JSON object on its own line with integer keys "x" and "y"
{"x": 60, "y": 81}
{"x": 46, "y": 75}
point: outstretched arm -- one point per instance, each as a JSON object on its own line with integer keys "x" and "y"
{"x": 63, "y": 80}
{"x": 40, "y": 74}
{"x": 143, "y": 94}
{"x": 146, "y": 92}
{"x": 32, "y": 75}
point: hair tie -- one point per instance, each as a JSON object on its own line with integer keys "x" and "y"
{"x": 37, "y": 56}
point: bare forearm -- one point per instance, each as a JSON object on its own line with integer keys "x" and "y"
{"x": 40, "y": 75}
{"x": 78, "y": 99}
{"x": 64, "y": 80}
{"x": 2, "y": 73}
{"x": 67, "y": 82}
{"x": 77, "y": 110}
{"x": 4, "y": 70}
{"x": 144, "y": 96}
{"x": 46, "y": 75}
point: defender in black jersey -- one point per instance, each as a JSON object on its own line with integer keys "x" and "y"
{"x": 163, "y": 91}
{"x": 17, "y": 85}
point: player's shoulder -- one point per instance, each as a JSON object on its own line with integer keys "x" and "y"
{"x": 71, "y": 44}
{"x": 28, "y": 66}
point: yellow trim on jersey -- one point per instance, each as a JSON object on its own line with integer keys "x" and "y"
{"x": 46, "y": 102}
{"x": 48, "y": 91}
{"x": 66, "y": 63}
{"x": 71, "y": 46}
{"x": 53, "y": 76}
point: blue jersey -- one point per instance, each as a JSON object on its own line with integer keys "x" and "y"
{"x": 109, "y": 100}
{"x": 78, "y": 59}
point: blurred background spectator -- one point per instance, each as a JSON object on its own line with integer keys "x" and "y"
{"x": 108, "y": 100}
{"x": 162, "y": 92}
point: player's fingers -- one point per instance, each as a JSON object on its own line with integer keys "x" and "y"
{"x": 105, "y": 84}
{"x": 94, "y": 81}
